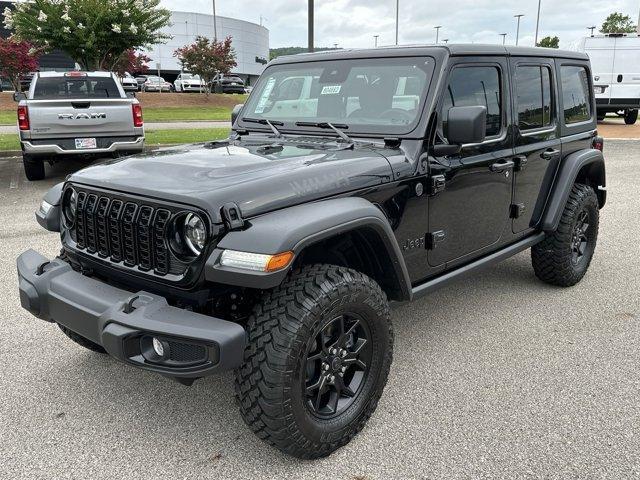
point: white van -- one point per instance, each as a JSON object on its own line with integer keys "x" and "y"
{"x": 615, "y": 63}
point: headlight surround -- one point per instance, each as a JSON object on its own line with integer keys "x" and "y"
{"x": 194, "y": 233}
{"x": 69, "y": 206}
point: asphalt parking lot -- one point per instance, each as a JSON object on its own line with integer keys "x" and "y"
{"x": 497, "y": 376}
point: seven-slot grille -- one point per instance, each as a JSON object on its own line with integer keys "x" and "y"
{"x": 124, "y": 231}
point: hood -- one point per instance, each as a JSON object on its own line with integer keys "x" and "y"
{"x": 256, "y": 174}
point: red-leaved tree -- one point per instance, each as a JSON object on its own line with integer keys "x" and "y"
{"x": 17, "y": 58}
{"x": 130, "y": 61}
{"x": 207, "y": 58}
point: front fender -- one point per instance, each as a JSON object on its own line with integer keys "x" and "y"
{"x": 585, "y": 166}
{"x": 50, "y": 219}
{"x": 295, "y": 228}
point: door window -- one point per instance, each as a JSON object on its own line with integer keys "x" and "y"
{"x": 533, "y": 86}
{"x": 473, "y": 86}
{"x": 575, "y": 94}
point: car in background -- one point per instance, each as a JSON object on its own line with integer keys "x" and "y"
{"x": 188, "y": 82}
{"x": 154, "y": 83}
{"x": 76, "y": 115}
{"x": 141, "y": 79}
{"x": 227, "y": 84}
{"x": 25, "y": 80}
{"x": 129, "y": 83}
{"x": 248, "y": 89}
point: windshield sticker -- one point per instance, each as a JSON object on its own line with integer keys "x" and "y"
{"x": 331, "y": 90}
{"x": 266, "y": 93}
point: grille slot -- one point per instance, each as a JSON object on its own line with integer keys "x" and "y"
{"x": 126, "y": 231}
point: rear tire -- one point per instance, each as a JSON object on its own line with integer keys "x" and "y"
{"x": 33, "y": 168}
{"x": 319, "y": 351}
{"x": 563, "y": 257}
{"x": 80, "y": 340}
{"x": 630, "y": 117}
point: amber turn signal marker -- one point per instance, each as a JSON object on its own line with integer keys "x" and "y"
{"x": 279, "y": 261}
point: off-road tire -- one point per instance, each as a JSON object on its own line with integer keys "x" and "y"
{"x": 552, "y": 259}
{"x": 601, "y": 116}
{"x": 80, "y": 340}
{"x": 33, "y": 168}
{"x": 630, "y": 117}
{"x": 269, "y": 385}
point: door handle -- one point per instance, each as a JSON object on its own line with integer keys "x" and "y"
{"x": 549, "y": 154}
{"x": 502, "y": 166}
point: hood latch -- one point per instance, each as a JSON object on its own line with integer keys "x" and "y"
{"x": 232, "y": 216}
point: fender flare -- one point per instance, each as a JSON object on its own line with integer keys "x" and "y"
{"x": 50, "y": 220}
{"x": 296, "y": 228}
{"x": 584, "y": 165}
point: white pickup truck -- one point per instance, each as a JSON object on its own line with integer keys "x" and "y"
{"x": 74, "y": 114}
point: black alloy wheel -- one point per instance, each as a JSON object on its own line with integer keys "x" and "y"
{"x": 580, "y": 239}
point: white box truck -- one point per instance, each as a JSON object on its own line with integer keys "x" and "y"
{"x": 615, "y": 63}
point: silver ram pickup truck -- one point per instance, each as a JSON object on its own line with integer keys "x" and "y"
{"x": 76, "y": 114}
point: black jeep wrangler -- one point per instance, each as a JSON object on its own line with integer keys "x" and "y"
{"x": 351, "y": 180}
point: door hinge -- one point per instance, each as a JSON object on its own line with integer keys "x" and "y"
{"x": 232, "y": 216}
{"x": 517, "y": 209}
{"x": 434, "y": 238}
{"x": 521, "y": 162}
{"x": 437, "y": 184}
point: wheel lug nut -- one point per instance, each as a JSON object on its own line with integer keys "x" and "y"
{"x": 325, "y": 366}
{"x": 332, "y": 378}
{"x": 343, "y": 353}
{"x": 344, "y": 369}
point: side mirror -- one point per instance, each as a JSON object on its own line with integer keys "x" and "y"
{"x": 17, "y": 96}
{"x": 466, "y": 125}
{"x": 236, "y": 112}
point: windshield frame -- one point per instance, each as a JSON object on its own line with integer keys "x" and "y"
{"x": 360, "y": 129}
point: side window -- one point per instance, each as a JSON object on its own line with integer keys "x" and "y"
{"x": 533, "y": 86}
{"x": 575, "y": 94}
{"x": 472, "y": 86}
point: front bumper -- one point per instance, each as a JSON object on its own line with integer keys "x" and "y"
{"x": 54, "y": 149}
{"x": 123, "y": 322}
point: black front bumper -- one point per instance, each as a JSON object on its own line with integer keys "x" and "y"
{"x": 123, "y": 322}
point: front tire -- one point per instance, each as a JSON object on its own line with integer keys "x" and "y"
{"x": 320, "y": 347}
{"x": 630, "y": 117}
{"x": 33, "y": 168}
{"x": 563, "y": 257}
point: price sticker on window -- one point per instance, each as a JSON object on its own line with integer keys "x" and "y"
{"x": 331, "y": 89}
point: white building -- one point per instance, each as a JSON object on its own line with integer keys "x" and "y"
{"x": 249, "y": 40}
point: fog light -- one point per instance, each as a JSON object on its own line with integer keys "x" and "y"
{"x": 158, "y": 347}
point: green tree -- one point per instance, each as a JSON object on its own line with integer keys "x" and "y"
{"x": 95, "y": 33}
{"x": 549, "y": 42}
{"x": 207, "y": 58}
{"x": 618, "y": 23}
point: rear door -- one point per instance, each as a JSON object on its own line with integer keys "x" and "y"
{"x": 536, "y": 141}
{"x": 602, "y": 51}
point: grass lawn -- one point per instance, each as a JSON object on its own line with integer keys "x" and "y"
{"x": 154, "y": 138}
{"x": 10, "y": 117}
{"x": 185, "y": 114}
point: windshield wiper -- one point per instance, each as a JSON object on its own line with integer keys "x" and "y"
{"x": 264, "y": 121}
{"x": 335, "y": 128}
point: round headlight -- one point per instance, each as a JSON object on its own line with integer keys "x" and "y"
{"x": 195, "y": 233}
{"x": 70, "y": 206}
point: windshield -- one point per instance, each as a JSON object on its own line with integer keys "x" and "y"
{"x": 188, "y": 76}
{"x": 378, "y": 95}
{"x": 155, "y": 79}
{"x": 50, "y": 88}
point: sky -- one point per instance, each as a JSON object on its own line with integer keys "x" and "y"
{"x": 353, "y": 23}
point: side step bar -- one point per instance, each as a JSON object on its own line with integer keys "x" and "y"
{"x": 496, "y": 257}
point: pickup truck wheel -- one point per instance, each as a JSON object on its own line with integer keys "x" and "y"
{"x": 630, "y": 117}
{"x": 80, "y": 340}
{"x": 33, "y": 168}
{"x": 319, "y": 351}
{"x": 563, "y": 257}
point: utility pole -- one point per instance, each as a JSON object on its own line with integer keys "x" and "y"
{"x": 215, "y": 27}
{"x": 397, "y": 18}
{"x": 437, "y": 32}
{"x": 445, "y": 40}
{"x": 537, "y": 23}
{"x": 519, "y": 16}
{"x": 310, "y": 27}
{"x": 504, "y": 36}
{"x": 375, "y": 41}
{"x": 592, "y": 29}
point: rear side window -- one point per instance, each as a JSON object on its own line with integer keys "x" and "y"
{"x": 533, "y": 86}
{"x": 473, "y": 86}
{"x": 575, "y": 94}
{"x": 51, "y": 88}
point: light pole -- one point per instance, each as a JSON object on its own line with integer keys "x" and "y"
{"x": 445, "y": 40}
{"x": 504, "y": 36}
{"x": 438, "y": 27}
{"x": 592, "y": 29}
{"x": 215, "y": 27}
{"x": 310, "y": 26}
{"x": 335, "y": 46}
{"x": 375, "y": 41}
{"x": 397, "y": 18}
{"x": 537, "y": 23}
{"x": 519, "y": 16}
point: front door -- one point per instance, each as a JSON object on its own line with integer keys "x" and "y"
{"x": 537, "y": 143}
{"x": 470, "y": 214}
